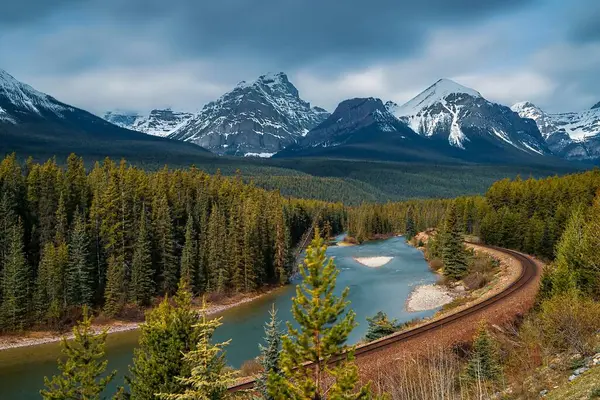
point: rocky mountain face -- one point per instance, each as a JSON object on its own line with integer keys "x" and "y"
{"x": 447, "y": 111}
{"x": 573, "y": 135}
{"x": 255, "y": 118}
{"x": 158, "y": 123}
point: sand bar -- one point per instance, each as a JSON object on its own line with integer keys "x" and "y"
{"x": 373, "y": 262}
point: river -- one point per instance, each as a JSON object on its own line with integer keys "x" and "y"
{"x": 371, "y": 289}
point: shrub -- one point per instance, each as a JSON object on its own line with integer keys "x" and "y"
{"x": 476, "y": 280}
{"x": 250, "y": 368}
{"x": 569, "y": 322}
{"x": 436, "y": 264}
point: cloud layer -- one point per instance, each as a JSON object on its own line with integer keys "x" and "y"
{"x": 141, "y": 54}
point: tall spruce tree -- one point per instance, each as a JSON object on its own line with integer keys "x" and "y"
{"x": 163, "y": 243}
{"x": 409, "y": 226}
{"x": 15, "y": 282}
{"x": 141, "y": 286}
{"x": 189, "y": 254}
{"x": 208, "y": 379}
{"x": 115, "y": 292}
{"x": 453, "y": 251}
{"x": 269, "y": 354}
{"x": 322, "y": 334}
{"x": 80, "y": 277}
{"x": 168, "y": 332}
{"x": 83, "y": 373}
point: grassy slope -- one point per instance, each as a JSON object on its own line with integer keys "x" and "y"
{"x": 581, "y": 388}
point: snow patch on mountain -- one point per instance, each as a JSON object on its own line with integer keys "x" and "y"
{"x": 432, "y": 95}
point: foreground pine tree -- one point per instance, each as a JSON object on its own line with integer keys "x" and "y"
{"x": 453, "y": 251}
{"x": 208, "y": 379}
{"x": 323, "y": 332}
{"x": 380, "y": 326}
{"x": 167, "y": 334}
{"x": 82, "y": 373}
{"x": 483, "y": 363}
{"x": 269, "y": 354}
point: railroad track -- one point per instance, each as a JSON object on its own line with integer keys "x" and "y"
{"x": 529, "y": 271}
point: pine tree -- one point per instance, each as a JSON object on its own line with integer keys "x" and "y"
{"x": 208, "y": 378}
{"x": 115, "y": 292}
{"x": 453, "y": 251}
{"x": 269, "y": 354}
{"x": 82, "y": 373}
{"x": 141, "y": 286}
{"x": 380, "y": 326}
{"x": 163, "y": 240}
{"x": 320, "y": 337}
{"x": 169, "y": 332}
{"x": 409, "y": 228}
{"x": 80, "y": 277}
{"x": 15, "y": 282}
{"x": 483, "y": 362}
{"x": 189, "y": 254}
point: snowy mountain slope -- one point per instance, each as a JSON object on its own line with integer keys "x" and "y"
{"x": 20, "y": 102}
{"x": 158, "y": 123}
{"x": 461, "y": 116}
{"x": 260, "y": 117}
{"x": 573, "y": 135}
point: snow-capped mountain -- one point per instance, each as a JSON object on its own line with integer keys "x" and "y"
{"x": 463, "y": 118}
{"x": 255, "y": 118}
{"x": 20, "y": 102}
{"x": 573, "y": 135}
{"x": 157, "y": 123}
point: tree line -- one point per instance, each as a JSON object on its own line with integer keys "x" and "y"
{"x": 115, "y": 235}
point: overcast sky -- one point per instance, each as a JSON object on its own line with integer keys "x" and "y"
{"x": 143, "y": 54}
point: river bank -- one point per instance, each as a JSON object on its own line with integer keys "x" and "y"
{"x": 34, "y": 338}
{"x": 456, "y": 296}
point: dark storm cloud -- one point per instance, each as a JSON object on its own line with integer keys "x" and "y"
{"x": 289, "y": 31}
{"x": 14, "y": 12}
{"x": 585, "y": 25}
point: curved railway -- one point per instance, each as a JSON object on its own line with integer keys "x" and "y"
{"x": 529, "y": 270}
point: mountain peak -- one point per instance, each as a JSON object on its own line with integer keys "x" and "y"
{"x": 258, "y": 117}
{"x": 596, "y": 106}
{"x": 434, "y": 94}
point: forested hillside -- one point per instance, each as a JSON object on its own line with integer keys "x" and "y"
{"x": 527, "y": 215}
{"x": 118, "y": 235}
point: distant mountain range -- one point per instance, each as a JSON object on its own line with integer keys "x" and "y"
{"x": 573, "y": 135}
{"x": 158, "y": 123}
{"x": 267, "y": 117}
